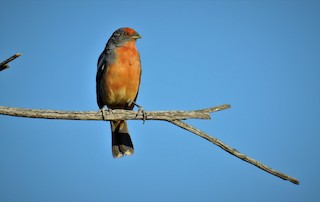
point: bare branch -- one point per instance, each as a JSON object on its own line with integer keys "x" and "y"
{"x": 3, "y": 65}
{"x": 114, "y": 115}
{"x": 173, "y": 117}
{"x": 233, "y": 151}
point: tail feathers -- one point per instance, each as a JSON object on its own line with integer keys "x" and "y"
{"x": 121, "y": 141}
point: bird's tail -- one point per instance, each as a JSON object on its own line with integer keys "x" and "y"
{"x": 121, "y": 141}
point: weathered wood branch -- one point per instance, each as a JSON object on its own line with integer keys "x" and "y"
{"x": 111, "y": 115}
{"x": 233, "y": 151}
{"x": 4, "y": 64}
{"x": 173, "y": 117}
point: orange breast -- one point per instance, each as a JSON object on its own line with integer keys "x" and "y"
{"x": 122, "y": 78}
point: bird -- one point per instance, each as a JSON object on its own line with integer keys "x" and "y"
{"x": 117, "y": 84}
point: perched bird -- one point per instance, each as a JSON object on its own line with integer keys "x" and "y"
{"x": 117, "y": 83}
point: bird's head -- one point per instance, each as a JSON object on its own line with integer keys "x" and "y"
{"x": 125, "y": 34}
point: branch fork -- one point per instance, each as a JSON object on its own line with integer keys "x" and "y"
{"x": 174, "y": 117}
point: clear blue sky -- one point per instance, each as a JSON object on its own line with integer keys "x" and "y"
{"x": 262, "y": 57}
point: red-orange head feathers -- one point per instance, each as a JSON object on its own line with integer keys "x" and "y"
{"x": 122, "y": 36}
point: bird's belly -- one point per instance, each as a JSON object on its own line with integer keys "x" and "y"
{"x": 122, "y": 85}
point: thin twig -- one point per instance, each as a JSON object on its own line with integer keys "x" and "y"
{"x": 233, "y": 151}
{"x": 114, "y": 115}
{"x": 3, "y": 65}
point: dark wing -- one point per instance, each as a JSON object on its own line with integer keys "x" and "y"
{"x": 100, "y": 71}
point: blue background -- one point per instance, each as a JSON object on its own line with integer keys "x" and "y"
{"x": 262, "y": 57}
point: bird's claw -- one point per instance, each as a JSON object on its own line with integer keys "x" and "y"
{"x": 104, "y": 113}
{"x": 141, "y": 110}
{"x": 144, "y": 114}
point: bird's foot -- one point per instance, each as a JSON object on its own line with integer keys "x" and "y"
{"x": 103, "y": 112}
{"x": 141, "y": 110}
{"x": 144, "y": 114}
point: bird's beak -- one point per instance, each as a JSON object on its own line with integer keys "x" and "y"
{"x": 136, "y": 36}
